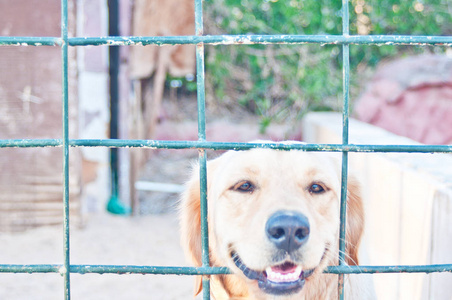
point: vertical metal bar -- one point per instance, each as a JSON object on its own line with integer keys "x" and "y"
{"x": 345, "y": 135}
{"x": 65, "y": 271}
{"x": 200, "y": 76}
{"x": 200, "y": 79}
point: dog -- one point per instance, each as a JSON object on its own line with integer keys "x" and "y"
{"x": 273, "y": 219}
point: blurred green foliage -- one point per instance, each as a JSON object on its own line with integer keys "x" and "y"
{"x": 283, "y": 81}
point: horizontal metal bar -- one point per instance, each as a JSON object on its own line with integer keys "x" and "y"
{"x": 157, "y": 144}
{"x": 234, "y": 40}
{"x": 164, "y": 270}
{"x": 389, "y": 269}
{"x": 267, "y": 39}
{"x": 30, "y": 143}
{"x": 30, "y": 41}
{"x": 30, "y": 268}
{"x": 156, "y": 270}
{"x": 115, "y": 269}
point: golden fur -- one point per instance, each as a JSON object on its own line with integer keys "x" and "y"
{"x": 282, "y": 180}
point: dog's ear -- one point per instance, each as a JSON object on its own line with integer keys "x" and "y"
{"x": 190, "y": 219}
{"x": 355, "y": 220}
{"x": 190, "y": 223}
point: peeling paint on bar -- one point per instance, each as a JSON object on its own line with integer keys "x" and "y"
{"x": 62, "y": 270}
{"x": 156, "y": 144}
{"x": 30, "y": 268}
{"x": 389, "y": 269}
{"x": 29, "y": 41}
{"x": 28, "y": 143}
{"x": 156, "y": 270}
{"x": 267, "y": 39}
{"x": 233, "y": 39}
{"x": 172, "y": 270}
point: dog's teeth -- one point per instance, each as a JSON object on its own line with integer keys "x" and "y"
{"x": 280, "y": 277}
{"x": 298, "y": 270}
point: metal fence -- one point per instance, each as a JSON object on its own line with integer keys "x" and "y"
{"x": 64, "y": 42}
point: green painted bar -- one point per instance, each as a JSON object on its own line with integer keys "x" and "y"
{"x": 201, "y": 98}
{"x": 155, "y": 270}
{"x": 65, "y": 125}
{"x": 201, "y": 92}
{"x": 232, "y": 39}
{"x": 30, "y": 41}
{"x": 115, "y": 269}
{"x": 388, "y": 269}
{"x": 345, "y": 138}
{"x": 156, "y": 144}
{"x": 171, "y": 270}
{"x": 204, "y": 225}
{"x": 30, "y": 143}
{"x": 267, "y": 39}
{"x": 206, "y": 288}
{"x": 30, "y": 268}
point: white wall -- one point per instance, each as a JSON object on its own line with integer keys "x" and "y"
{"x": 408, "y": 207}
{"x": 94, "y": 112}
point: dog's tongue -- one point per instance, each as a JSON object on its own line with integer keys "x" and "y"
{"x": 284, "y": 273}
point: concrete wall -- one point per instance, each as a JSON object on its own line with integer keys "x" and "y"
{"x": 94, "y": 113}
{"x": 94, "y": 102}
{"x": 408, "y": 207}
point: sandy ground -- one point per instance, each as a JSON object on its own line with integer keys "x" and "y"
{"x": 145, "y": 240}
{"x": 151, "y": 239}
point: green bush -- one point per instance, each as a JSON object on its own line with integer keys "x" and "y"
{"x": 283, "y": 81}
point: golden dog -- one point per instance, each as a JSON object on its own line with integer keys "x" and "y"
{"x": 274, "y": 221}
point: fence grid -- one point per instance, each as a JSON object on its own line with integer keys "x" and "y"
{"x": 199, "y": 39}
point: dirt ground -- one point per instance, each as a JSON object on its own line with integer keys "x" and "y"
{"x": 107, "y": 239}
{"x": 151, "y": 239}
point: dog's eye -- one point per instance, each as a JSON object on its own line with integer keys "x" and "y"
{"x": 316, "y": 188}
{"x": 244, "y": 186}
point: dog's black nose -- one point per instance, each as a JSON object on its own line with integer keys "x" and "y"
{"x": 287, "y": 230}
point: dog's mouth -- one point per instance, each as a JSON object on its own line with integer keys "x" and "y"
{"x": 285, "y": 278}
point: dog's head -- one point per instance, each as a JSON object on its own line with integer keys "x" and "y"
{"x": 273, "y": 219}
